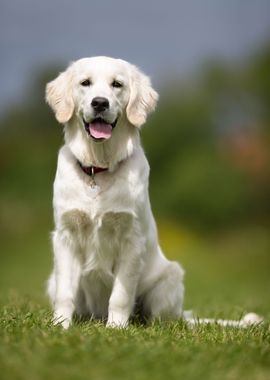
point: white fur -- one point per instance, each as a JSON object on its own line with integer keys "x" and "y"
{"x": 249, "y": 319}
{"x": 106, "y": 252}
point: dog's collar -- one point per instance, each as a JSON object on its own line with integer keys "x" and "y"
{"x": 91, "y": 170}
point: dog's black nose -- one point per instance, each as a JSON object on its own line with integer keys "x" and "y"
{"x": 100, "y": 104}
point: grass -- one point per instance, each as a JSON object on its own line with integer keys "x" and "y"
{"x": 33, "y": 349}
{"x": 226, "y": 277}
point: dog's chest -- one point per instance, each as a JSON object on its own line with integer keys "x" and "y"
{"x": 98, "y": 240}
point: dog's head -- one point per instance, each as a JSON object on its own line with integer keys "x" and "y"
{"x": 101, "y": 92}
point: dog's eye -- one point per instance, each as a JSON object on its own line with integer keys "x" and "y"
{"x": 116, "y": 84}
{"x": 86, "y": 82}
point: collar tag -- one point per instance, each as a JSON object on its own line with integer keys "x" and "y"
{"x": 92, "y": 174}
{"x": 91, "y": 171}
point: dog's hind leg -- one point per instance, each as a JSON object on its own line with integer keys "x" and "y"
{"x": 164, "y": 300}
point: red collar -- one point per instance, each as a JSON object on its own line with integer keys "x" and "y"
{"x": 91, "y": 170}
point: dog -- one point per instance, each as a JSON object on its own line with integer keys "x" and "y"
{"x": 107, "y": 259}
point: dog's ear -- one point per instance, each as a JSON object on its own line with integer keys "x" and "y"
{"x": 59, "y": 96}
{"x": 143, "y": 98}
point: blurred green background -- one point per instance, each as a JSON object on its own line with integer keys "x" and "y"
{"x": 208, "y": 146}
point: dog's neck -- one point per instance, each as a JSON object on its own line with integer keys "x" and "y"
{"x": 125, "y": 139}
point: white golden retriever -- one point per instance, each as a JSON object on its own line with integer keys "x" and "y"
{"x": 107, "y": 259}
{"x": 106, "y": 253}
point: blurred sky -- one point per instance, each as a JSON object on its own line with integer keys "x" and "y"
{"x": 162, "y": 37}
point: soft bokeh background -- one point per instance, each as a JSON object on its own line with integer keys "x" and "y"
{"x": 208, "y": 142}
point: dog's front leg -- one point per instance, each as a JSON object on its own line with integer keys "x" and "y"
{"x": 67, "y": 270}
{"x": 122, "y": 298}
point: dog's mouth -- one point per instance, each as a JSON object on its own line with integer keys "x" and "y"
{"x": 99, "y": 129}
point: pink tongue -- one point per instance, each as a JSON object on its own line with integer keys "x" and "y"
{"x": 100, "y": 130}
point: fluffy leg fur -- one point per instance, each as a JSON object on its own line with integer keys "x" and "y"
{"x": 164, "y": 300}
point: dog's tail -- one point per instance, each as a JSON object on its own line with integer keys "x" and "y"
{"x": 249, "y": 319}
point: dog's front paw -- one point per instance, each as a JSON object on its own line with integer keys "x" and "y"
{"x": 117, "y": 320}
{"x": 65, "y": 323}
{"x": 60, "y": 318}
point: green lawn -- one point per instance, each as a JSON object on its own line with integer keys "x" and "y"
{"x": 32, "y": 349}
{"x": 226, "y": 276}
